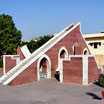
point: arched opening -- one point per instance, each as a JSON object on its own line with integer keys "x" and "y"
{"x": 44, "y": 68}
{"x": 73, "y": 50}
{"x": 75, "y": 47}
{"x": 63, "y": 53}
{"x": 85, "y": 51}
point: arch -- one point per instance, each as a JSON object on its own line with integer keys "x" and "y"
{"x": 41, "y": 60}
{"x": 85, "y": 51}
{"x": 63, "y": 51}
{"x": 75, "y": 45}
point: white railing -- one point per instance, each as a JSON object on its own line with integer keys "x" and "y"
{"x": 7, "y": 78}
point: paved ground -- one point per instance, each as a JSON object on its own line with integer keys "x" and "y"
{"x": 50, "y": 92}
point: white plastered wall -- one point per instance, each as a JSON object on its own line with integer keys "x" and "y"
{"x": 85, "y": 70}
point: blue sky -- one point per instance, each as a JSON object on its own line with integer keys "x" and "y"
{"x": 40, "y": 17}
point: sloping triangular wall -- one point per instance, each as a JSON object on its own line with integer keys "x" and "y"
{"x": 71, "y": 40}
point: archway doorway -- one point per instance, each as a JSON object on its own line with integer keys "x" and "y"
{"x": 44, "y": 68}
{"x": 63, "y": 54}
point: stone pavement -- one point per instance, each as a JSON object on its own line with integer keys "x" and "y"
{"x": 50, "y": 92}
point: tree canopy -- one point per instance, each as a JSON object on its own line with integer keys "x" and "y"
{"x": 37, "y": 42}
{"x": 10, "y": 36}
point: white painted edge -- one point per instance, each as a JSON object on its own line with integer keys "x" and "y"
{"x": 25, "y": 51}
{"x": 61, "y": 71}
{"x": 60, "y": 50}
{"x": 85, "y": 49}
{"x": 11, "y": 55}
{"x": 4, "y": 56}
{"x": 80, "y": 56}
{"x": 85, "y": 70}
{"x": 49, "y": 66}
{"x": 93, "y": 35}
{"x": 17, "y": 58}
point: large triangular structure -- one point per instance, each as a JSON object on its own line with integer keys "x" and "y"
{"x": 66, "y": 53}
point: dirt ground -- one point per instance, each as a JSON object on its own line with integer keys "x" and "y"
{"x": 50, "y": 92}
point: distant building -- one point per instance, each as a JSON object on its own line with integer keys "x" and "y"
{"x": 95, "y": 44}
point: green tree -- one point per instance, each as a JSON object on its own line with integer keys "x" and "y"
{"x": 23, "y": 43}
{"x": 38, "y": 42}
{"x": 10, "y": 36}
